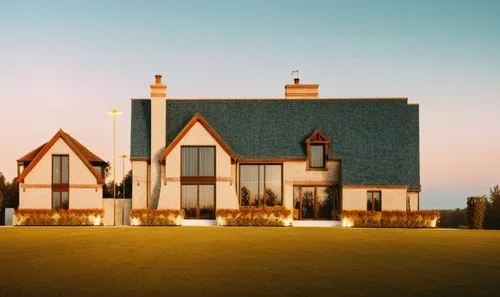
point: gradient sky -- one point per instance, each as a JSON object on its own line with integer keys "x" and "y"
{"x": 64, "y": 63}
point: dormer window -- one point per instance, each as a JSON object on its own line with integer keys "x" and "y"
{"x": 317, "y": 148}
{"x": 317, "y": 159}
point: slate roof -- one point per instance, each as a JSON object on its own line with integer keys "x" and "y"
{"x": 88, "y": 158}
{"x": 377, "y": 140}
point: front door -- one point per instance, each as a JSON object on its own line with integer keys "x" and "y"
{"x": 315, "y": 202}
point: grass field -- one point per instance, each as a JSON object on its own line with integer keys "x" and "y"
{"x": 183, "y": 261}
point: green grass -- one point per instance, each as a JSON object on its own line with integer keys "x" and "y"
{"x": 183, "y": 261}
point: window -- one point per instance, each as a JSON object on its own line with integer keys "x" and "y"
{"x": 198, "y": 181}
{"x": 60, "y": 182}
{"x": 408, "y": 203}
{"x": 317, "y": 158}
{"x": 198, "y": 161}
{"x": 316, "y": 202}
{"x": 317, "y": 148}
{"x": 374, "y": 201}
{"x": 261, "y": 185}
{"x": 198, "y": 201}
{"x": 99, "y": 169}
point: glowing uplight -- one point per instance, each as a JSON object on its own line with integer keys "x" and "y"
{"x": 221, "y": 221}
{"x": 97, "y": 221}
{"x": 287, "y": 222}
{"x": 347, "y": 223}
{"x": 135, "y": 222}
{"x": 434, "y": 223}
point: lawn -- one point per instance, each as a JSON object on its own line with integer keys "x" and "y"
{"x": 183, "y": 261}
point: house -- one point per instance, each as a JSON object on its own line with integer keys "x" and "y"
{"x": 319, "y": 156}
{"x": 61, "y": 174}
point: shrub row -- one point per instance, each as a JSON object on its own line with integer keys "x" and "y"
{"x": 52, "y": 217}
{"x": 390, "y": 219}
{"x": 156, "y": 217}
{"x": 252, "y": 216}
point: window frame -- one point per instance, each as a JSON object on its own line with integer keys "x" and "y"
{"x": 372, "y": 198}
{"x": 59, "y": 187}
{"x": 317, "y": 138}
{"x": 198, "y": 179}
{"x": 261, "y": 200}
{"x": 311, "y": 167}
{"x": 336, "y": 202}
{"x": 198, "y": 210}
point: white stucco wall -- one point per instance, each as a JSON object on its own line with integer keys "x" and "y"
{"x": 158, "y": 134}
{"x": 85, "y": 198}
{"x": 139, "y": 184}
{"x": 354, "y": 198}
{"x": 36, "y": 190}
{"x": 414, "y": 203}
{"x": 295, "y": 174}
{"x": 225, "y": 185}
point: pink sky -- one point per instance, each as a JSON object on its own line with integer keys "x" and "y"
{"x": 64, "y": 65}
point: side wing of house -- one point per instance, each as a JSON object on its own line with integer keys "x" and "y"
{"x": 60, "y": 177}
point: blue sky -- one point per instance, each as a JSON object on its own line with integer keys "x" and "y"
{"x": 64, "y": 63}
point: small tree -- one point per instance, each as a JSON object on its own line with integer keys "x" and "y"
{"x": 476, "y": 208}
{"x": 493, "y": 209}
{"x": 245, "y": 197}
{"x": 270, "y": 197}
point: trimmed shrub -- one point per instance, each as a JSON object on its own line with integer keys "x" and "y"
{"x": 476, "y": 209}
{"x": 253, "y": 216}
{"x": 390, "y": 219}
{"x": 52, "y": 217}
{"x": 156, "y": 217}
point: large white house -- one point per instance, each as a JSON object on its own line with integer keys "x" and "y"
{"x": 61, "y": 174}
{"x": 319, "y": 156}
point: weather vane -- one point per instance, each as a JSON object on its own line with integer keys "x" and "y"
{"x": 295, "y": 73}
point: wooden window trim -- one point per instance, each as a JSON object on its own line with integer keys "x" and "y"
{"x": 317, "y": 138}
{"x": 198, "y": 210}
{"x": 59, "y": 187}
{"x": 372, "y": 198}
{"x": 199, "y": 179}
{"x": 261, "y": 205}
{"x": 315, "y": 206}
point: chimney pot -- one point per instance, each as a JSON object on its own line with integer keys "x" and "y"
{"x": 296, "y": 80}
{"x": 158, "y": 79}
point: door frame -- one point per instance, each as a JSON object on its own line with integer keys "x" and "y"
{"x": 315, "y": 218}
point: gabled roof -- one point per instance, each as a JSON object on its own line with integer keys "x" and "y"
{"x": 317, "y": 137}
{"x": 377, "y": 140}
{"x": 79, "y": 149}
{"x": 197, "y": 118}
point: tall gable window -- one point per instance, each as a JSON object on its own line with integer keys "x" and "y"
{"x": 198, "y": 181}
{"x": 317, "y": 148}
{"x": 60, "y": 181}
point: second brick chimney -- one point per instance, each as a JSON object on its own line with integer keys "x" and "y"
{"x": 301, "y": 91}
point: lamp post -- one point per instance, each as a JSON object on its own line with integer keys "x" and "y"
{"x": 123, "y": 156}
{"x": 114, "y": 113}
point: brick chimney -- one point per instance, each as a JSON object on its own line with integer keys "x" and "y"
{"x": 158, "y": 136}
{"x": 301, "y": 91}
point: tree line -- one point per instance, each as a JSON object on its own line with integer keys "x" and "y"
{"x": 459, "y": 217}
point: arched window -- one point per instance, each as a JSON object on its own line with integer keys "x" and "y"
{"x": 317, "y": 151}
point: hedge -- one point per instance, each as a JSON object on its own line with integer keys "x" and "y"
{"x": 52, "y": 217}
{"x": 390, "y": 219}
{"x": 156, "y": 217}
{"x": 476, "y": 210}
{"x": 253, "y": 216}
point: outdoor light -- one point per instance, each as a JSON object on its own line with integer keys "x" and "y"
{"x": 114, "y": 113}
{"x": 123, "y": 156}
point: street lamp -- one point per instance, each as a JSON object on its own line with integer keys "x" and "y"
{"x": 114, "y": 113}
{"x": 123, "y": 156}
